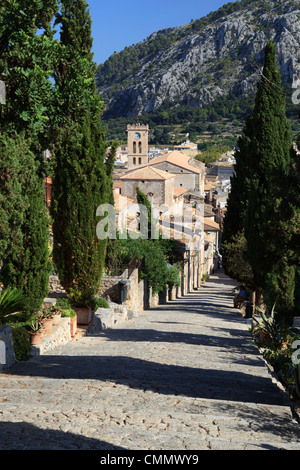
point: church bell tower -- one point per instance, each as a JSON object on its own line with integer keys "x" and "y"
{"x": 137, "y": 138}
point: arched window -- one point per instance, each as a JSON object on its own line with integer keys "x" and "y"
{"x": 134, "y": 147}
{"x": 140, "y": 161}
{"x": 134, "y": 160}
{"x": 140, "y": 147}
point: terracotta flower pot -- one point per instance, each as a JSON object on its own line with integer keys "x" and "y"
{"x": 84, "y": 315}
{"x": 47, "y": 325}
{"x": 35, "y": 338}
{"x": 73, "y": 326}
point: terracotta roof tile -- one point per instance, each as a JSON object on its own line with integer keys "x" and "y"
{"x": 210, "y": 224}
{"x": 147, "y": 173}
{"x": 179, "y": 191}
{"x": 178, "y": 159}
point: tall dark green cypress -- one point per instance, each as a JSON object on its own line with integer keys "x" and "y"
{"x": 25, "y": 67}
{"x": 261, "y": 207}
{"x": 25, "y": 261}
{"x": 233, "y": 243}
{"x": 82, "y": 171}
{"x": 27, "y": 61}
{"x": 269, "y": 213}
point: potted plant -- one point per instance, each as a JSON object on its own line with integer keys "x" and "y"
{"x": 56, "y": 312}
{"x": 70, "y": 313}
{"x": 35, "y": 332}
{"x": 82, "y": 303}
{"x": 67, "y": 311}
{"x": 46, "y": 320}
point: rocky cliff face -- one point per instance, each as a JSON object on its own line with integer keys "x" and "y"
{"x": 197, "y": 63}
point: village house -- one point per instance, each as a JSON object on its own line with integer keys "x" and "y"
{"x": 174, "y": 183}
{"x": 156, "y": 184}
{"x": 187, "y": 175}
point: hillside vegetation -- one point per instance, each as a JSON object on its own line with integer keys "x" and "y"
{"x": 203, "y": 72}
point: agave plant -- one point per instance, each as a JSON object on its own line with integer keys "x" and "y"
{"x": 268, "y": 324}
{"x": 12, "y": 302}
{"x": 35, "y": 326}
{"x": 290, "y": 377}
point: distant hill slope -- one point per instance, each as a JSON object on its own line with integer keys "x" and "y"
{"x": 205, "y": 61}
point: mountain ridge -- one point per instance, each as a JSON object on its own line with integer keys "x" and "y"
{"x": 196, "y": 64}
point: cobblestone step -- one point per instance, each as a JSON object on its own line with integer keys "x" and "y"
{"x": 185, "y": 376}
{"x": 146, "y": 430}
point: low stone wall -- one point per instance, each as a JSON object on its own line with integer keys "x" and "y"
{"x": 7, "y": 352}
{"x": 109, "y": 287}
{"x": 60, "y": 335}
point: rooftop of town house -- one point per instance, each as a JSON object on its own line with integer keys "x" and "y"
{"x": 147, "y": 173}
{"x": 179, "y": 191}
{"x": 210, "y": 225}
{"x": 178, "y": 159}
{"x": 210, "y": 185}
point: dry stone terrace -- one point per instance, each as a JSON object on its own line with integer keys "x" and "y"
{"x": 185, "y": 376}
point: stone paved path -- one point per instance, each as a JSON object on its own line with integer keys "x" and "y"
{"x": 183, "y": 377}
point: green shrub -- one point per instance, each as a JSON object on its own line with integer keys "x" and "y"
{"x": 21, "y": 341}
{"x": 63, "y": 302}
{"x": 100, "y": 303}
{"x": 69, "y": 312}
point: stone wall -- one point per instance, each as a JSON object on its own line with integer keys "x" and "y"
{"x": 135, "y": 292}
{"x": 60, "y": 335}
{"x": 109, "y": 287}
{"x": 157, "y": 188}
{"x": 55, "y": 287}
{"x": 7, "y": 352}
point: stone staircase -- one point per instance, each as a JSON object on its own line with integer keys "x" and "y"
{"x": 185, "y": 376}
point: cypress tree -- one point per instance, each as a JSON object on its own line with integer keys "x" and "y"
{"x": 261, "y": 208}
{"x": 82, "y": 170}
{"x": 144, "y": 201}
{"x": 12, "y": 204}
{"x": 26, "y": 263}
{"x": 269, "y": 213}
{"x": 233, "y": 242}
{"x": 27, "y": 61}
{"x": 26, "y": 64}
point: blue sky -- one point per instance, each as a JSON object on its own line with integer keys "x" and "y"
{"x": 121, "y": 23}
